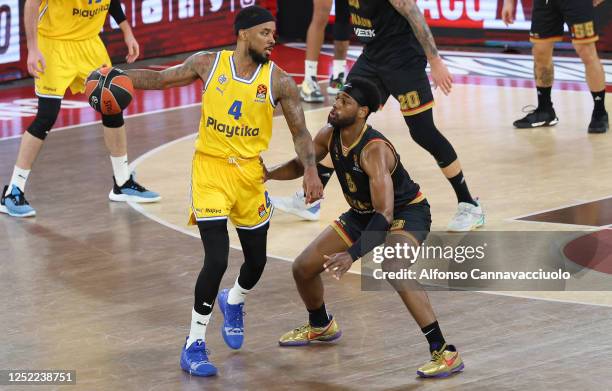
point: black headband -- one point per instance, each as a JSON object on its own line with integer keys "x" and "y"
{"x": 251, "y": 16}
{"x": 360, "y": 97}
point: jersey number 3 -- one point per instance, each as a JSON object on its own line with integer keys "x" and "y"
{"x": 235, "y": 110}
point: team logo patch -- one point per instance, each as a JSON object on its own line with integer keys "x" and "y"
{"x": 397, "y": 224}
{"x": 222, "y": 79}
{"x": 261, "y": 210}
{"x": 262, "y": 91}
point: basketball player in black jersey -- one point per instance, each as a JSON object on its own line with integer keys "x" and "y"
{"x": 398, "y": 46}
{"x": 384, "y": 203}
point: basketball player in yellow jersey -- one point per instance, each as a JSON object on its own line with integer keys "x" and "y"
{"x": 63, "y": 48}
{"x": 241, "y": 90}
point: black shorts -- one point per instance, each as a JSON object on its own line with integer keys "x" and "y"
{"x": 549, "y": 16}
{"x": 403, "y": 77}
{"x": 414, "y": 219}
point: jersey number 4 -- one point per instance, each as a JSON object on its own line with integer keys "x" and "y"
{"x": 235, "y": 110}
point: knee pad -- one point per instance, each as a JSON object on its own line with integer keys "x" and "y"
{"x": 48, "y": 109}
{"x": 424, "y": 132}
{"x": 253, "y": 244}
{"x": 113, "y": 121}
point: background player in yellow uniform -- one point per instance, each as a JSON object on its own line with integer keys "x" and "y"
{"x": 240, "y": 93}
{"x": 64, "y": 46}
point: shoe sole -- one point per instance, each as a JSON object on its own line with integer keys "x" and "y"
{"x": 225, "y": 337}
{"x": 473, "y": 227}
{"x": 443, "y": 374}
{"x": 4, "y": 210}
{"x": 598, "y": 130}
{"x": 304, "y": 343}
{"x": 298, "y": 212}
{"x": 130, "y": 198}
{"x": 189, "y": 371}
{"x": 543, "y": 125}
{"x": 311, "y": 100}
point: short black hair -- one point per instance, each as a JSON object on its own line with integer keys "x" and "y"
{"x": 364, "y": 92}
{"x": 252, "y": 16}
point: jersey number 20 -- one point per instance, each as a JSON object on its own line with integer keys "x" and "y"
{"x": 235, "y": 110}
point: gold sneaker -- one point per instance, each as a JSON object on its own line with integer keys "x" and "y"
{"x": 303, "y": 335}
{"x": 444, "y": 362}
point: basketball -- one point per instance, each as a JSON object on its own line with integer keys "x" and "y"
{"x": 109, "y": 90}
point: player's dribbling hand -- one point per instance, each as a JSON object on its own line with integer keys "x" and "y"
{"x": 440, "y": 75}
{"x": 133, "y": 48}
{"x": 313, "y": 188}
{"x": 507, "y": 13}
{"x": 338, "y": 264}
{"x": 36, "y": 63}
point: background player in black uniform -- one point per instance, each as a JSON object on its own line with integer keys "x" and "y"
{"x": 547, "y": 21}
{"x": 384, "y": 202}
{"x": 398, "y": 45}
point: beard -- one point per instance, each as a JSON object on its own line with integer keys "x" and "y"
{"x": 259, "y": 58}
{"x": 340, "y": 122}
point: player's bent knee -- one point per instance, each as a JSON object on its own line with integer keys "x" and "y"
{"x": 48, "y": 110}
{"x": 113, "y": 121}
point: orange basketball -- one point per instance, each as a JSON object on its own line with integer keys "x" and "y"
{"x": 109, "y": 90}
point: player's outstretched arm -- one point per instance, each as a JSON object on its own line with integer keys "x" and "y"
{"x": 293, "y": 168}
{"x": 197, "y": 66}
{"x": 439, "y": 73}
{"x": 287, "y": 94}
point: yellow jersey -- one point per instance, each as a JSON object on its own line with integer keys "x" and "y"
{"x": 236, "y": 113}
{"x": 73, "y": 20}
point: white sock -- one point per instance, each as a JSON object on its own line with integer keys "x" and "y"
{"x": 198, "y": 327}
{"x": 339, "y": 67}
{"x": 310, "y": 69}
{"x": 19, "y": 178}
{"x": 237, "y": 294}
{"x": 120, "y": 169}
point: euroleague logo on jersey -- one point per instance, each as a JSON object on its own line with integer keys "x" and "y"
{"x": 262, "y": 91}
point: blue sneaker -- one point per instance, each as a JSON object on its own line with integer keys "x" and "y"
{"x": 233, "y": 322}
{"x": 195, "y": 360}
{"x": 132, "y": 191}
{"x": 15, "y": 203}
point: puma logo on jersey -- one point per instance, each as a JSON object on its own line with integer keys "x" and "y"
{"x": 229, "y": 130}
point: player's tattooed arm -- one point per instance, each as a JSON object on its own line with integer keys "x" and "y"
{"x": 286, "y": 92}
{"x": 439, "y": 72}
{"x": 412, "y": 13}
{"x": 293, "y": 168}
{"x": 195, "y": 67}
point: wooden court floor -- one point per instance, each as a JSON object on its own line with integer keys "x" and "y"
{"x": 103, "y": 289}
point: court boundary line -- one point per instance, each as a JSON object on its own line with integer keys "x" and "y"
{"x": 577, "y": 203}
{"x": 140, "y": 209}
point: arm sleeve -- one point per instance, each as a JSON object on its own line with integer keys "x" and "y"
{"x": 116, "y": 11}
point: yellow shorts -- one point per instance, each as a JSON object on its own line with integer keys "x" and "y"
{"x": 222, "y": 188}
{"x": 68, "y": 63}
